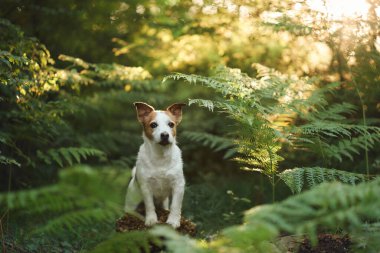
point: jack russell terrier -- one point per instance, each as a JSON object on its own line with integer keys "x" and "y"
{"x": 158, "y": 172}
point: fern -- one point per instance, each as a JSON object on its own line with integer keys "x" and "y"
{"x": 298, "y": 178}
{"x": 333, "y": 112}
{"x": 50, "y": 199}
{"x": 216, "y": 143}
{"x": 82, "y": 197}
{"x": 71, "y": 220}
{"x": 45, "y": 110}
{"x": 251, "y": 102}
{"x": 272, "y": 109}
{"x": 305, "y": 212}
{"x": 246, "y": 101}
{"x": 82, "y": 74}
{"x": 71, "y": 155}
{"x": 334, "y": 129}
{"x": 349, "y": 147}
{"x": 366, "y": 237}
{"x": 204, "y": 103}
{"x": 346, "y": 207}
{"x": 178, "y": 243}
{"x": 22, "y": 199}
{"x": 8, "y": 161}
{"x": 131, "y": 242}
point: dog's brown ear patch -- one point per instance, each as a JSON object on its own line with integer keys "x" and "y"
{"x": 176, "y": 111}
{"x": 143, "y": 111}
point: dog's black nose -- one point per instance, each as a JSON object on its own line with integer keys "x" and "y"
{"x": 164, "y": 136}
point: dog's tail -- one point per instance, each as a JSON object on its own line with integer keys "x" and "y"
{"x": 133, "y": 197}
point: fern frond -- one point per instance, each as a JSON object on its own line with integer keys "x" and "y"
{"x": 56, "y": 199}
{"x": 131, "y": 242}
{"x": 272, "y": 108}
{"x": 333, "y": 112}
{"x": 71, "y": 220}
{"x": 21, "y": 199}
{"x": 83, "y": 196}
{"x": 204, "y": 103}
{"x": 214, "y": 142}
{"x": 193, "y": 79}
{"x": 366, "y": 237}
{"x": 335, "y": 129}
{"x": 298, "y": 178}
{"x": 348, "y": 147}
{"x": 71, "y": 155}
{"x": 305, "y": 212}
{"x": 104, "y": 74}
{"x": 176, "y": 242}
{"x": 264, "y": 160}
{"x": 327, "y": 206}
{"x": 8, "y": 161}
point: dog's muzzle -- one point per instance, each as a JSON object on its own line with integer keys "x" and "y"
{"x": 164, "y": 139}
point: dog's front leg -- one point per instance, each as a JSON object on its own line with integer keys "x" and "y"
{"x": 150, "y": 213}
{"x": 174, "y": 218}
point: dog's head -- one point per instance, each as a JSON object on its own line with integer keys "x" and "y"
{"x": 159, "y": 126}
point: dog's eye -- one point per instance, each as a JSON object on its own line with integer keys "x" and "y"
{"x": 153, "y": 125}
{"x": 171, "y": 124}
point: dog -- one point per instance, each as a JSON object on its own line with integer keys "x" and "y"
{"x": 158, "y": 173}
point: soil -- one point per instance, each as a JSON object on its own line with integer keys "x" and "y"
{"x": 131, "y": 222}
{"x": 327, "y": 243}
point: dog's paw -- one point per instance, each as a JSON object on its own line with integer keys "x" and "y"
{"x": 174, "y": 221}
{"x": 151, "y": 219}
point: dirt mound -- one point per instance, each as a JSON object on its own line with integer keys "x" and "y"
{"x": 131, "y": 222}
{"x": 327, "y": 243}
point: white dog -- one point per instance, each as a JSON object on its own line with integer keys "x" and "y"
{"x": 158, "y": 172}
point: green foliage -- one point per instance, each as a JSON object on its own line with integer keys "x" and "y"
{"x": 298, "y": 178}
{"x": 5, "y": 160}
{"x": 303, "y": 116}
{"x": 346, "y": 208}
{"x": 214, "y": 142}
{"x": 82, "y": 73}
{"x": 27, "y": 78}
{"x": 68, "y": 155}
{"x": 243, "y": 97}
{"x": 82, "y": 198}
{"x": 22, "y": 199}
{"x": 349, "y": 147}
{"x": 227, "y": 198}
{"x": 365, "y": 237}
{"x": 46, "y": 111}
{"x": 176, "y": 242}
{"x": 131, "y": 242}
{"x": 25, "y": 65}
{"x": 269, "y": 111}
{"x": 82, "y": 218}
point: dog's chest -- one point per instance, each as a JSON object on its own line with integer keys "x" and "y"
{"x": 160, "y": 182}
{"x": 160, "y": 173}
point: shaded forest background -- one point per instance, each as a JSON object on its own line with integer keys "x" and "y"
{"x": 71, "y": 70}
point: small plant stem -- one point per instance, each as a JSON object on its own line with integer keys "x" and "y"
{"x": 9, "y": 190}
{"x": 366, "y": 144}
{"x": 364, "y": 122}
{"x": 323, "y": 153}
{"x": 2, "y": 236}
{"x": 273, "y": 189}
{"x": 273, "y": 175}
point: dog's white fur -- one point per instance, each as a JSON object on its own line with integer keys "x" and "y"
{"x": 158, "y": 173}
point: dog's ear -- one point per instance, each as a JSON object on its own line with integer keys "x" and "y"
{"x": 176, "y": 111}
{"x": 143, "y": 110}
